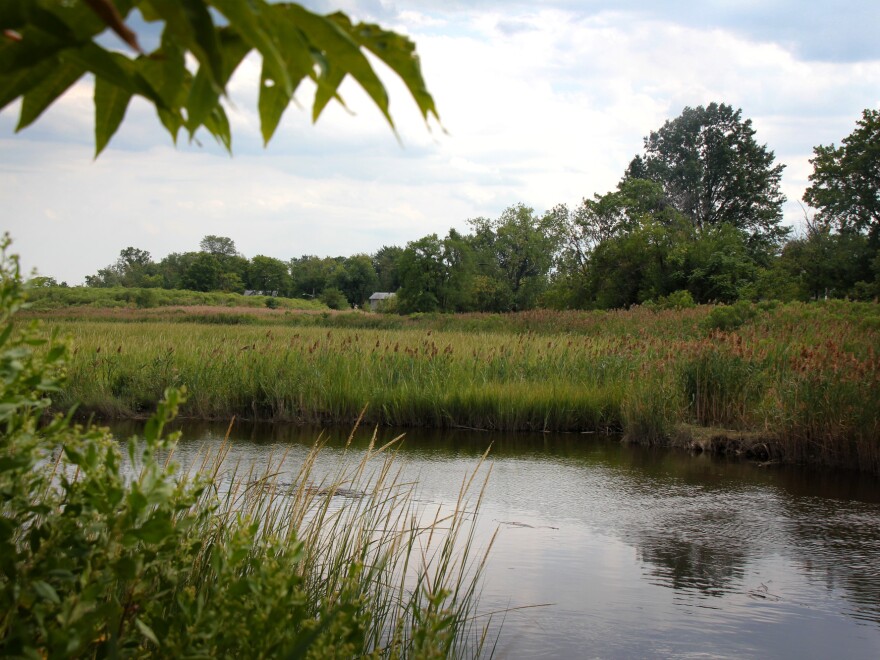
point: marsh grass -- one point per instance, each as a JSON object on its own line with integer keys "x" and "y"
{"x": 805, "y": 376}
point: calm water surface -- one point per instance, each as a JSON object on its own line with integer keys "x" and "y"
{"x": 639, "y": 552}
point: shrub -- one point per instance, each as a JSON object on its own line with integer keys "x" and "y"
{"x": 681, "y": 299}
{"x": 145, "y": 298}
{"x": 729, "y": 317}
{"x": 271, "y": 303}
{"x": 334, "y": 298}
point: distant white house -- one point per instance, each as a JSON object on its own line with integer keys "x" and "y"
{"x": 377, "y": 298}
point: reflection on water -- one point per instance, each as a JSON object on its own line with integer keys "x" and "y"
{"x": 640, "y": 552}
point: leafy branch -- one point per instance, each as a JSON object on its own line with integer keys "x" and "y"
{"x": 47, "y": 46}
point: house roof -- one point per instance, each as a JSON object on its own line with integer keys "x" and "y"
{"x": 381, "y": 295}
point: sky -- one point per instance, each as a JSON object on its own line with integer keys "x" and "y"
{"x": 541, "y": 103}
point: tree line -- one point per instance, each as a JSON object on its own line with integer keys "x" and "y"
{"x": 695, "y": 218}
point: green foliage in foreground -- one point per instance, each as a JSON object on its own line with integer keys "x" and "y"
{"x": 42, "y": 298}
{"x": 105, "y": 554}
{"x": 48, "y": 46}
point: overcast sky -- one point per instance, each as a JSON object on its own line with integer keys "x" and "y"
{"x": 542, "y": 102}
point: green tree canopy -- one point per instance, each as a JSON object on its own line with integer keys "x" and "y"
{"x": 713, "y": 171}
{"x": 518, "y": 250}
{"x": 131, "y": 269}
{"x": 218, "y": 245}
{"x": 46, "y": 46}
{"x": 310, "y": 274}
{"x": 357, "y": 279}
{"x": 202, "y": 273}
{"x": 268, "y": 274}
{"x": 385, "y": 264}
{"x": 436, "y": 274}
{"x": 845, "y": 183}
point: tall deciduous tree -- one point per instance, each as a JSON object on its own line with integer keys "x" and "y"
{"x": 310, "y": 274}
{"x": 46, "y": 46}
{"x": 218, "y": 245}
{"x": 203, "y": 273}
{"x": 845, "y": 183}
{"x": 436, "y": 274}
{"x": 713, "y": 171}
{"x": 357, "y": 279}
{"x": 518, "y": 250}
{"x": 385, "y": 264}
{"x": 268, "y": 274}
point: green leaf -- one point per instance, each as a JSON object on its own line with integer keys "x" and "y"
{"x": 5, "y": 333}
{"x": 73, "y": 455}
{"x": 111, "y": 102}
{"x": 398, "y": 53}
{"x": 146, "y": 631}
{"x": 115, "y": 68}
{"x": 36, "y": 100}
{"x": 16, "y": 84}
{"x": 218, "y": 125}
{"x": 148, "y": 11}
{"x": 155, "y": 530}
{"x": 206, "y": 45}
{"x": 274, "y": 98}
{"x": 165, "y": 70}
{"x": 250, "y": 21}
{"x": 343, "y": 55}
{"x": 127, "y": 568}
{"x": 191, "y": 24}
{"x": 35, "y": 47}
{"x": 80, "y": 20}
{"x": 204, "y": 99}
{"x": 326, "y": 91}
{"x": 12, "y": 14}
{"x": 46, "y": 591}
{"x": 55, "y": 353}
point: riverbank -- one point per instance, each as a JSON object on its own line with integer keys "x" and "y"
{"x": 794, "y": 383}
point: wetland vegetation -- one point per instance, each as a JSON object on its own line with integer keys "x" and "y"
{"x": 792, "y": 382}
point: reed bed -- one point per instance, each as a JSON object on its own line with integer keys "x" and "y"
{"x": 805, "y": 378}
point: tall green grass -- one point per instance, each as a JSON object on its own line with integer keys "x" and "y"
{"x": 805, "y": 378}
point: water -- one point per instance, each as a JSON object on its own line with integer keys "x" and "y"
{"x": 633, "y": 552}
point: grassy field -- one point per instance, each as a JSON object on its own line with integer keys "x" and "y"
{"x": 795, "y": 382}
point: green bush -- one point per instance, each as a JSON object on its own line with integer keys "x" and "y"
{"x": 334, "y": 298}
{"x": 729, "y": 317}
{"x": 681, "y": 299}
{"x": 145, "y": 298}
